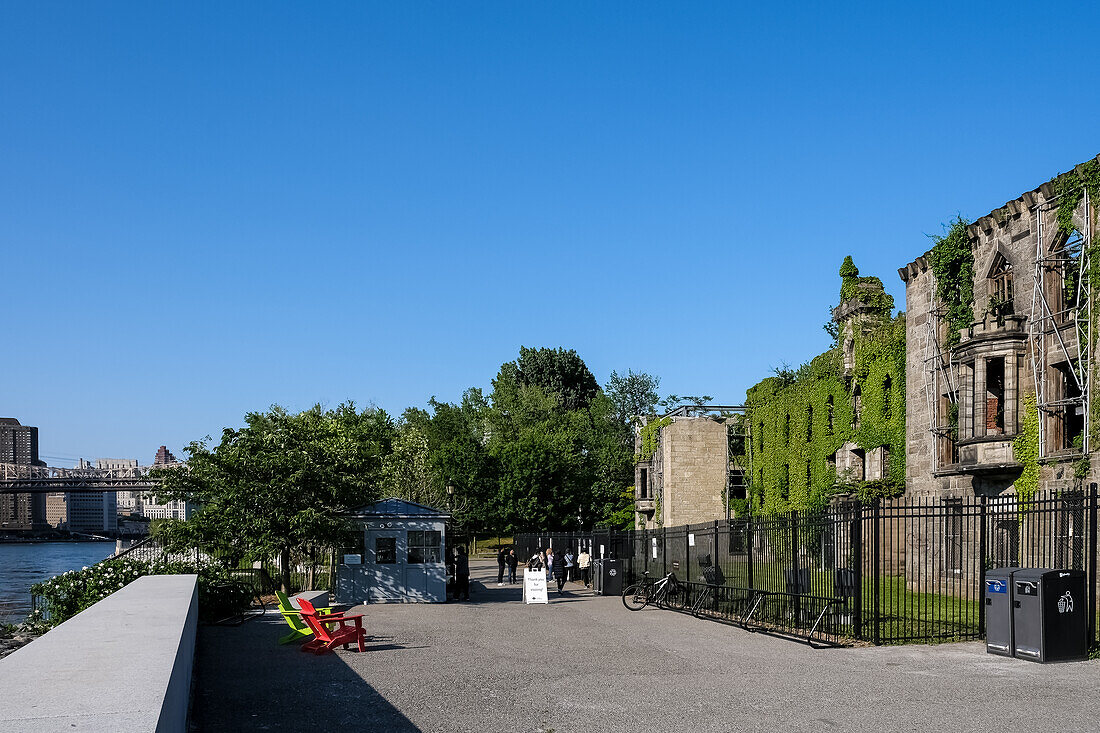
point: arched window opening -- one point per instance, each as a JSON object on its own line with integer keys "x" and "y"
{"x": 829, "y": 411}
{"x": 1000, "y": 286}
{"x": 857, "y": 406}
{"x": 887, "y": 389}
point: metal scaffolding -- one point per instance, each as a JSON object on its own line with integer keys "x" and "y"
{"x": 1061, "y": 331}
{"x": 939, "y": 374}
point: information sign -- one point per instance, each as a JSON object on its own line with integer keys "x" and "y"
{"x": 654, "y": 547}
{"x": 534, "y": 586}
{"x": 691, "y": 540}
{"x": 353, "y": 559}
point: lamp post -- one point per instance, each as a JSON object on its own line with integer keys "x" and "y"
{"x": 450, "y": 495}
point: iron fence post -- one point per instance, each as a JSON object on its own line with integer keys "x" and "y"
{"x": 981, "y": 566}
{"x": 795, "y": 568}
{"x": 857, "y": 565}
{"x": 664, "y": 550}
{"x": 750, "y": 540}
{"x": 1092, "y": 564}
{"x": 875, "y": 570}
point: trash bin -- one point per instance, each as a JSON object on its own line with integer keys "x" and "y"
{"x": 1050, "y": 615}
{"x": 998, "y": 611}
{"x": 607, "y": 579}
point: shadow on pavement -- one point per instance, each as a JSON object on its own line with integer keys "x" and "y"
{"x": 244, "y": 681}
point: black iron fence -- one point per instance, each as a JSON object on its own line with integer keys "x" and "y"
{"x": 902, "y": 570}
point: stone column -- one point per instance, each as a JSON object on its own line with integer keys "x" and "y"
{"x": 979, "y": 397}
{"x": 1012, "y": 375}
{"x": 966, "y": 402}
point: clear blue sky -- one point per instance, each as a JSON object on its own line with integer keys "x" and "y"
{"x": 209, "y": 207}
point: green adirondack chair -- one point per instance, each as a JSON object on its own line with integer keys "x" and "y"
{"x": 294, "y": 618}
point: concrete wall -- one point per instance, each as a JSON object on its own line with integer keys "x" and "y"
{"x": 122, "y": 665}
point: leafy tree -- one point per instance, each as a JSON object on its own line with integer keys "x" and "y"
{"x": 407, "y": 472}
{"x": 633, "y": 394}
{"x": 282, "y": 482}
{"x": 560, "y": 373}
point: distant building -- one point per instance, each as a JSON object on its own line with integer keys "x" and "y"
{"x": 19, "y": 444}
{"x": 164, "y": 457}
{"x": 146, "y": 507}
{"x": 90, "y": 512}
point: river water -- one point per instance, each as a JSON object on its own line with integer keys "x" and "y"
{"x": 23, "y": 565}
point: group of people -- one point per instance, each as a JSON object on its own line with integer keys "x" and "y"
{"x": 506, "y": 559}
{"x": 565, "y": 568}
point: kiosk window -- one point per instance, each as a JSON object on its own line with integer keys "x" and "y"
{"x": 385, "y": 550}
{"x": 424, "y": 546}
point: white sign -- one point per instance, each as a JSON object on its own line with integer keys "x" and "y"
{"x": 534, "y": 586}
{"x": 654, "y": 548}
{"x": 691, "y": 540}
{"x": 353, "y": 559}
{"x": 601, "y": 551}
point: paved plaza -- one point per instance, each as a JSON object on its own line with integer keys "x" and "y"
{"x": 585, "y": 663}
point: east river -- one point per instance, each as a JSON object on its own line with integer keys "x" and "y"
{"x": 23, "y": 565}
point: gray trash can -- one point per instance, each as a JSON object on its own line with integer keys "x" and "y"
{"x": 597, "y": 575}
{"x": 1050, "y": 615}
{"x": 998, "y": 611}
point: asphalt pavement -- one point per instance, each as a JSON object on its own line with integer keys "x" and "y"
{"x": 585, "y": 663}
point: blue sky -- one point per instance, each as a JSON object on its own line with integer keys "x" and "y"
{"x": 207, "y": 208}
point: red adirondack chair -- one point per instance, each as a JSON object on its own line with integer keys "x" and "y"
{"x": 324, "y": 638}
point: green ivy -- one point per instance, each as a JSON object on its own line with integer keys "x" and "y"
{"x": 851, "y": 286}
{"x": 793, "y": 435}
{"x": 651, "y": 437}
{"x": 1025, "y": 449}
{"x": 952, "y": 262}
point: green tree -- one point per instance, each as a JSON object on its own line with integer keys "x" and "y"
{"x": 407, "y": 471}
{"x": 633, "y": 394}
{"x": 560, "y": 373}
{"x": 281, "y": 483}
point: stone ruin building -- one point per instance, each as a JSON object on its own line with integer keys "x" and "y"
{"x": 690, "y": 467}
{"x": 1031, "y": 335}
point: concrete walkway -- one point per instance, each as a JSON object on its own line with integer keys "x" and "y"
{"x": 584, "y": 663}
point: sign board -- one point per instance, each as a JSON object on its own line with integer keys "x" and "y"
{"x": 691, "y": 540}
{"x": 534, "y": 586}
{"x": 601, "y": 551}
{"x": 654, "y": 548}
{"x": 353, "y": 559}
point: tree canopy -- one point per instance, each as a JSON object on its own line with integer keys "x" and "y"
{"x": 282, "y": 482}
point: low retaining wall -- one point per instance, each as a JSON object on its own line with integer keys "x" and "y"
{"x": 122, "y": 665}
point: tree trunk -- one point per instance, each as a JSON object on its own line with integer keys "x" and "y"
{"x": 284, "y": 569}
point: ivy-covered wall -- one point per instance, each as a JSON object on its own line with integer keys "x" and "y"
{"x": 800, "y": 419}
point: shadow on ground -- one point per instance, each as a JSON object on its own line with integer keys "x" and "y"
{"x": 245, "y": 681}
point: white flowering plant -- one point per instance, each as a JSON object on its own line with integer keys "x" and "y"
{"x": 63, "y": 596}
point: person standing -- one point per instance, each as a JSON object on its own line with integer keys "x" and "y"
{"x": 511, "y": 561}
{"x": 462, "y": 575}
{"x": 559, "y": 574}
{"x": 569, "y": 565}
{"x": 549, "y": 563}
{"x": 584, "y": 562}
{"x": 501, "y": 557}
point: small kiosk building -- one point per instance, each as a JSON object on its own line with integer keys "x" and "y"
{"x": 401, "y": 559}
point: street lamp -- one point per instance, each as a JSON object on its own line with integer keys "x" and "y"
{"x": 450, "y": 495}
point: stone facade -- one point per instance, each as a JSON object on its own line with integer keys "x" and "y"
{"x": 688, "y": 476}
{"x": 1021, "y": 261}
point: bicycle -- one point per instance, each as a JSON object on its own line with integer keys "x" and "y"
{"x": 668, "y": 591}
